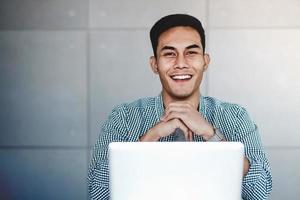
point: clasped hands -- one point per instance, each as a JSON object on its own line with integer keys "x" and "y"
{"x": 180, "y": 115}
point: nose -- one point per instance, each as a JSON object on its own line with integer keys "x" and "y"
{"x": 181, "y": 62}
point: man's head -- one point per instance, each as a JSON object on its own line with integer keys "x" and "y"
{"x": 171, "y": 21}
{"x": 179, "y": 58}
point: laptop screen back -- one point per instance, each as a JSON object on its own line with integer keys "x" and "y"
{"x": 176, "y": 170}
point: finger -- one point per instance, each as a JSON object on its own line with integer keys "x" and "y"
{"x": 185, "y": 131}
{"x": 174, "y": 108}
{"x": 175, "y": 115}
{"x": 186, "y": 134}
{"x": 190, "y": 135}
{"x": 181, "y": 104}
{"x": 178, "y": 107}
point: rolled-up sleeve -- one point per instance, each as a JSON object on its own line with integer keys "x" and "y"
{"x": 257, "y": 184}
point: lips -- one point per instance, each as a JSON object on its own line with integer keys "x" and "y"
{"x": 181, "y": 77}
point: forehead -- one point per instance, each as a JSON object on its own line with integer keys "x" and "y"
{"x": 181, "y": 35}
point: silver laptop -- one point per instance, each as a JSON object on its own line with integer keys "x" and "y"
{"x": 176, "y": 170}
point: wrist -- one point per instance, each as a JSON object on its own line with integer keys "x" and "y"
{"x": 216, "y": 137}
{"x": 209, "y": 134}
{"x": 149, "y": 136}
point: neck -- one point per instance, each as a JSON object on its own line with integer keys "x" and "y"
{"x": 194, "y": 99}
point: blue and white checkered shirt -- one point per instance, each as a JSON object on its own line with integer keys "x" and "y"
{"x": 128, "y": 122}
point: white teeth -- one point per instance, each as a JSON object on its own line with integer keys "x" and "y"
{"x": 181, "y": 77}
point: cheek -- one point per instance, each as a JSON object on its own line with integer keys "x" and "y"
{"x": 165, "y": 65}
{"x": 198, "y": 64}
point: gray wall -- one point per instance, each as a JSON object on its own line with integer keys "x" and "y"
{"x": 65, "y": 63}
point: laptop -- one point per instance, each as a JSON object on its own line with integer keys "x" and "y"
{"x": 176, "y": 170}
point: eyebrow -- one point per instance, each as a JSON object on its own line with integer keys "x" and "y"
{"x": 188, "y": 47}
{"x": 168, "y": 48}
{"x": 193, "y": 46}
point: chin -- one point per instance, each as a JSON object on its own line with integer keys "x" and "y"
{"x": 182, "y": 96}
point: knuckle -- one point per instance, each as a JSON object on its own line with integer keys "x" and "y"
{"x": 176, "y": 121}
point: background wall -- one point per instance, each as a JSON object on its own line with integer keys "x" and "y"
{"x": 65, "y": 63}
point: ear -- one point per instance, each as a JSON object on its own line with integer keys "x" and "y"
{"x": 206, "y": 61}
{"x": 153, "y": 64}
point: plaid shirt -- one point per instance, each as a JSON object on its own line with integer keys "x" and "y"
{"x": 128, "y": 122}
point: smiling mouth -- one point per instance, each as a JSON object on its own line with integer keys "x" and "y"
{"x": 182, "y": 77}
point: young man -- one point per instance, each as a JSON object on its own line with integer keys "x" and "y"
{"x": 180, "y": 60}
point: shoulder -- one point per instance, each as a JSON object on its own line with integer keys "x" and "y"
{"x": 134, "y": 117}
{"x": 134, "y": 108}
{"x": 133, "y": 111}
{"x": 212, "y": 104}
{"x": 138, "y": 104}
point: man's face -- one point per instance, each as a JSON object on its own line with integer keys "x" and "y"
{"x": 180, "y": 62}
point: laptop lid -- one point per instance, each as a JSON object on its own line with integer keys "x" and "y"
{"x": 176, "y": 170}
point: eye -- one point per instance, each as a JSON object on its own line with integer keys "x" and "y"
{"x": 191, "y": 53}
{"x": 169, "y": 54}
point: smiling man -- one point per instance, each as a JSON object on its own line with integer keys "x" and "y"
{"x": 180, "y": 61}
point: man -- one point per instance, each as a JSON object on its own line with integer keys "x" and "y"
{"x": 180, "y": 60}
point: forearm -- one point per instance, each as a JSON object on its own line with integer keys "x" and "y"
{"x": 257, "y": 184}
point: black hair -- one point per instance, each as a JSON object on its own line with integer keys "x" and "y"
{"x": 174, "y": 20}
